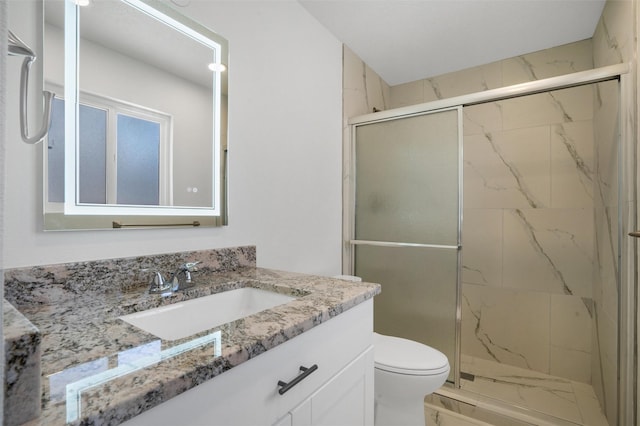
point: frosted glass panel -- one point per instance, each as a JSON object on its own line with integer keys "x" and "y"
{"x": 407, "y": 191}
{"x": 92, "y": 125}
{"x": 407, "y": 180}
{"x": 93, "y": 137}
{"x": 138, "y": 161}
{"x": 418, "y": 299}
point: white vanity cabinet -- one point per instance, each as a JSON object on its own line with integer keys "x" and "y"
{"x": 344, "y": 400}
{"x": 338, "y": 392}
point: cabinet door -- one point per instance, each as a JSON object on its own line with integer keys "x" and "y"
{"x": 285, "y": 421}
{"x": 346, "y": 399}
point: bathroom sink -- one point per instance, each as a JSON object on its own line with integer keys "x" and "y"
{"x": 184, "y": 319}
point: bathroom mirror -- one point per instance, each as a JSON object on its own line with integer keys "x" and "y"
{"x": 138, "y": 129}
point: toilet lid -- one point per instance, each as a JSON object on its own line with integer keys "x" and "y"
{"x": 398, "y": 355}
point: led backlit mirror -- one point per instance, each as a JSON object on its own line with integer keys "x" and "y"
{"x": 138, "y": 131}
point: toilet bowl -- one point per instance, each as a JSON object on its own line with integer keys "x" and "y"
{"x": 405, "y": 372}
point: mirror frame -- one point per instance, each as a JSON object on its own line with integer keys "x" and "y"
{"x": 90, "y": 216}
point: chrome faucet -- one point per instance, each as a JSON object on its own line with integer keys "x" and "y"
{"x": 180, "y": 280}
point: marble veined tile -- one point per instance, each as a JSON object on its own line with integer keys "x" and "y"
{"x": 411, "y": 93}
{"x": 549, "y": 250}
{"x": 355, "y": 102}
{"x": 589, "y": 405}
{"x": 482, "y": 118}
{"x": 570, "y": 363}
{"x": 575, "y": 402}
{"x": 470, "y": 80}
{"x": 352, "y": 70}
{"x": 571, "y": 322}
{"x": 377, "y": 90}
{"x": 572, "y": 164}
{"x": 606, "y": 176}
{"x": 507, "y": 169}
{"x": 571, "y": 337}
{"x": 523, "y": 388}
{"x": 467, "y": 411}
{"x": 613, "y": 37}
{"x": 560, "y": 106}
{"x": 437, "y": 416}
{"x": 560, "y": 60}
{"x": 356, "y": 105}
{"x": 363, "y": 88}
{"x": 482, "y": 247}
{"x": 596, "y": 370}
{"x": 606, "y": 143}
{"x": 506, "y": 326}
{"x": 608, "y": 356}
{"x": 606, "y": 268}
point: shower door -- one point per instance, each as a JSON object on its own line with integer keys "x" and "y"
{"x": 406, "y": 225}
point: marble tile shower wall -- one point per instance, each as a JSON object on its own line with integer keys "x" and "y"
{"x": 559, "y": 60}
{"x": 528, "y": 233}
{"x": 363, "y": 89}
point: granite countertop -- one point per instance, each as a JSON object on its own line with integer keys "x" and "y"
{"x": 116, "y": 371}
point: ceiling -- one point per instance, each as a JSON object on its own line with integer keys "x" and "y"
{"x": 408, "y": 40}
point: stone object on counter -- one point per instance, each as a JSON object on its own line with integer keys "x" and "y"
{"x": 21, "y": 368}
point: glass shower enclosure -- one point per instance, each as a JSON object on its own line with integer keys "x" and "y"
{"x": 403, "y": 223}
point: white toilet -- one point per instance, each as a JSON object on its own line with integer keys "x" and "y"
{"x": 405, "y": 371}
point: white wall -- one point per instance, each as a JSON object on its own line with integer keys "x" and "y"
{"x": 3, "y": 122}
{"x": 284, "y": 154}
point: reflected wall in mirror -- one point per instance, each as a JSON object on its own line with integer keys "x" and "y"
{"x": 139, "y": 125}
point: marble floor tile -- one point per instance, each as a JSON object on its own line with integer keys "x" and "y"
{"x": 589, "y": 405}
{"x": 443, "y": 407}
{"x": 562, "y": 398}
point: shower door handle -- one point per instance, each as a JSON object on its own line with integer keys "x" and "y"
{"x": 635, "y": 234}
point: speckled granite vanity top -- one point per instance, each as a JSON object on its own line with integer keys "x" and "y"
{"x": 98, "y": 369}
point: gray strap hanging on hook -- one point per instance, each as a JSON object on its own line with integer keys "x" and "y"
{"x": 18, "y": 48}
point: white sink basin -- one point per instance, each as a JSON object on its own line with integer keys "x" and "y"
{"x": 184, "y": 319}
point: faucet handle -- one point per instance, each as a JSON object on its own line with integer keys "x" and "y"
{"x": 190, "y": 266}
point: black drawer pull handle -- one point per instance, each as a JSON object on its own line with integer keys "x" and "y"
{"x": 284, "y": 386}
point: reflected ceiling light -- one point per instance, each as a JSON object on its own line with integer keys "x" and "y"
{"x": 217, "y": 67}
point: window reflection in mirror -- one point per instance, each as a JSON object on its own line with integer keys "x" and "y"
{"x": 124, "y": 153}
{"x": 151, "y": 130}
